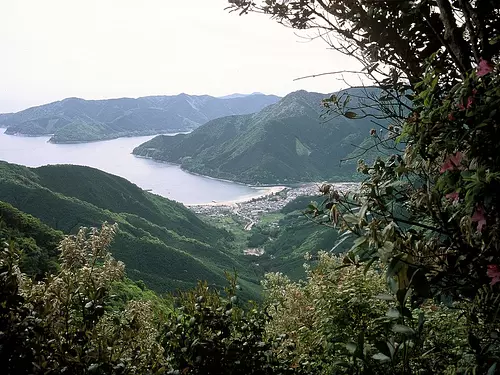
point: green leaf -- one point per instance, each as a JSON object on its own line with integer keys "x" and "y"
{"x": 362, "y": 211}
{"x": 381, "y": 357}
{"x": 384, "y": 348}
{"x": 394, "y": 266}
{"x": 393, "y": 313}
{"x": 351, "y": 347}
{"x": 358, "y": 242}
{"x": 350, "y": 218}
{"x": 402, "y": 295}
{"x": 405, "y": 330}
{"x": 385, "y": 297}
{"x": 368, "y": 265}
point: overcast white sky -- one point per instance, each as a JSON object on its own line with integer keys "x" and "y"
{"x": 97, "y": 49}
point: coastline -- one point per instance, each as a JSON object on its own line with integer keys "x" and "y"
{"x": 260, "y": 186}
{"x": 145, "y": 134}
{"x": 215, "y": 178}
{"x": 69, "y": 142}
{"x": 271, "y": 190}
{"x": 262, "y": 191}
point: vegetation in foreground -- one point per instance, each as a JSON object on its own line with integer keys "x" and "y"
{"x": 72, "y": 322}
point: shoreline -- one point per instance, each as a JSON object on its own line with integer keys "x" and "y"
{"x": 269, "y": 191}
{"x": 262, "y": 191}
{"x": 146, "y": 134}
{"x": 290, "y": 185}
{"x": 50, "y": 136}
{"x": 217, "y": 178}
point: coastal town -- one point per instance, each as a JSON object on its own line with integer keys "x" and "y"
{"x": 251, "y": 211}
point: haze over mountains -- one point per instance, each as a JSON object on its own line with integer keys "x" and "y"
{"x": 286, "y": 142}
{"x": 78, "y": 120}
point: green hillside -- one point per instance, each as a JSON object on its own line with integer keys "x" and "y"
{"x": 161, "y": 242}
{"x": 287, "y": 240}
{"x": 78, "y": 120}
{"x": 37, "y": 241}
{"x": 285, "y": 142}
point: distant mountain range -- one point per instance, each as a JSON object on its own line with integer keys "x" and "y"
{"x": 283, "y": 143}
{"x": 78, "y": 120}
{"x": 238, "y": 95}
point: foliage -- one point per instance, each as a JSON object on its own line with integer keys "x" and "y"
{"x": 61, "y": 324}
{"x": 431, "y": 215}
{"x": 342, "y": 321}
{"x": 72, "y": 322}
{"x": 209, "y": 334}
{"x": 36, "y": 241}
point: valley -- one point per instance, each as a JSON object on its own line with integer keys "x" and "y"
{"x": 272, "y": 231}
{"x": 250, "y": 222}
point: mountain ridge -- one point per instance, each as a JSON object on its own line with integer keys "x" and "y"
{"x": 287, "y": 142}
{"x": 162, "y": 242}
{"x": 74, "y": 120}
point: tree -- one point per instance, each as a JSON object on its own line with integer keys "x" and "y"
{"x": 336, "y": 323}
{"x": 65, "y": 322}
{"x": 394, "y": 38}
{"x": 430, "y": 213}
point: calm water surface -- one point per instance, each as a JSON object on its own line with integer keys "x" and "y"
{"x": 114, "y": 156}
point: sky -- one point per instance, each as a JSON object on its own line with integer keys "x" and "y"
{"x": 100, "y": 49}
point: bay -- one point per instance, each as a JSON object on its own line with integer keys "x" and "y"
{"x": 115, "y": 157}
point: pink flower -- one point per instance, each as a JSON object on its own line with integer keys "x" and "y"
{"x": 462, "y": 107}
{"x": 453, "y": 196}
{"x": 484, "y": 68}
{"x": 452, "y": 162}
{"x": 479, "y": 218}
{"x": 451, "y": 117}
{"x": 493, "y": 273}
{"x": 470, "y": 101}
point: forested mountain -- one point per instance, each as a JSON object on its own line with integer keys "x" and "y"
{"x": 79, "y": 120}
{"x": 292, "y": 237}
{"x": 163, "y": 243}
{"x": 289, "y": 141}
{"x": 38, "y": 241}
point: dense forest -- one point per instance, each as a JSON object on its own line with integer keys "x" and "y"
{"x": 416, "y": 291}
{"x": 164, "y": 243}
